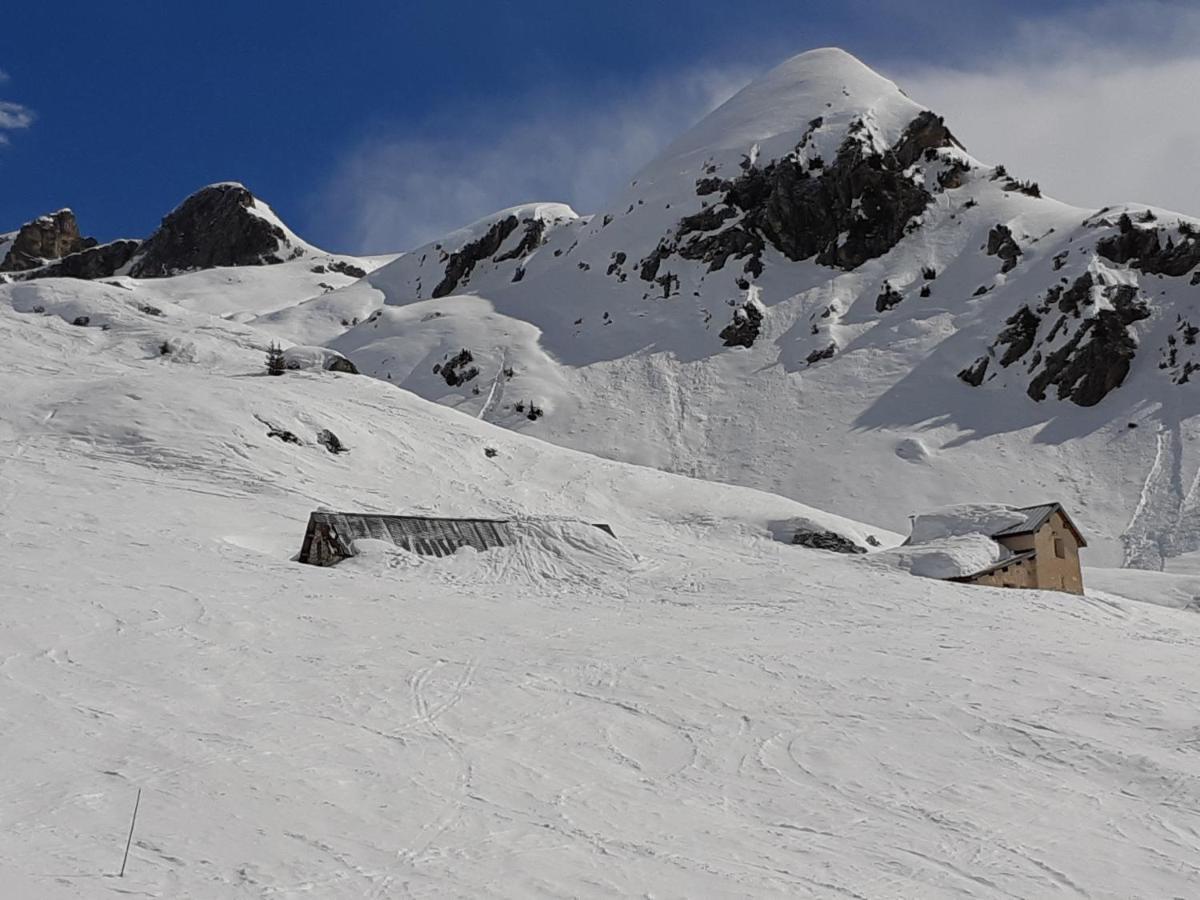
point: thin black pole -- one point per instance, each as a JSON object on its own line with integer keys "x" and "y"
{"x": 132, "y": 822}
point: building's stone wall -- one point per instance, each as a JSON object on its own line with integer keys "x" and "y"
{"x": 1052, "y": 573}
{"x": 1021, "y": 574}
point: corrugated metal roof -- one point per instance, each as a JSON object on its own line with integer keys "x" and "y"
{"x": 425, "y": 535}
{"x": 330, "y": 535}
{"x": 1035, "y": 517}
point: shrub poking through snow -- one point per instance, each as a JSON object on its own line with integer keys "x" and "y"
{"x": 458, "y": 369}
{"x": 276, "y": 364}
{"x": 888, "y": 298}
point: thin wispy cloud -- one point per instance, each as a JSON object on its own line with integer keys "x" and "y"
{"x": 13, "y": 116}
{"x": 396, "y": 191}
{"x": 1097, "y": 107}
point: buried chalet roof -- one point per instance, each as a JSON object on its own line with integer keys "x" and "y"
{"x": 997, "y": 566}
{"x": 1035, "y": 518}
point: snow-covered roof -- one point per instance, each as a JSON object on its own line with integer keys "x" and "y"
{"x": 1035, "y": 518}
{"x": 962, "y": 542}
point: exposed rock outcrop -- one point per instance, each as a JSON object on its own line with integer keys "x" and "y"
{"x": 331, "y": 442}
{"x": 44, "y": 239}
{"x": 842, "y": 213}
{"x": 216, "y": 226}
{"x": 1087, "y": 350}
{"x": 460, "y": 263}
{"x": 888, "y": 298}
{"x": 531, "y": 239}
{"x": 1144, "y": 249}
{"x": 1019, "y": 335}
{"x": 348, "y": 269}
{"x": 1001, "y": 243}
{"x": 817, "y": 355}
{"x": 974, "y": 373}
{"x": 826, "y": 540}
{"x": 100, "y": 261}
{"x": 1096, "y": 360}
{"x": 338, "y": 363}
{"x": 743, "y": 330}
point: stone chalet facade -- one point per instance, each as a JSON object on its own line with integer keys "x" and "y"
{"x": 1045, "y": 550}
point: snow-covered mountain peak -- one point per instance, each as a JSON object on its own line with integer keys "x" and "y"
{"x": 219, "y": 225}
{"x": 816, "y": 265}
{"x": 769, "y": 116}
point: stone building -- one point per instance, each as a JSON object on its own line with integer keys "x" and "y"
{"x": 1045, "y": 550}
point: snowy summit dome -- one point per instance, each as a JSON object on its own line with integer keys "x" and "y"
{"x": 776, "y": 108}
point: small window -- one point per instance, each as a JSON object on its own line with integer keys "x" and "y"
{"x": 1060, "y": 548}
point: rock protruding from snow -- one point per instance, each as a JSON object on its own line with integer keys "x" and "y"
{"x": 46, "y": 238}
{"x": 1145, "y": 249}
{"x": 1081, "y": 337}
{"x": 843, "y": 211}
{"x": 743, "y": 330}
{"x": 826, "y": 540}
{"x": 100, "y": 261}
{"x": 317, "y": 358}
{"x": 1096, "y": 358}
{"x": 1001, "y": 243}
{"x": 487, "y": 254}
{"x": 462, "y": 261}
{"x": 220, "y": 225}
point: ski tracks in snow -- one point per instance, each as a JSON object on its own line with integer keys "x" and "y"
{"x": 427, "y": 714}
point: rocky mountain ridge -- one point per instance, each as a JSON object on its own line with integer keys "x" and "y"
{"x": 816, "y": 291}
{"x": 822, "y": 251}
{"x": 218, "y": 225}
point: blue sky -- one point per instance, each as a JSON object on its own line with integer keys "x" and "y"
{"x": 369, "y": 125}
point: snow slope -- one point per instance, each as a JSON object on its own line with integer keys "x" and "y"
{"x": 694, "y": 709}
{"x": 851, "y": 395}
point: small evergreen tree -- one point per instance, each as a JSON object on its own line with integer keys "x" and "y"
{"x": 275, "y": 361}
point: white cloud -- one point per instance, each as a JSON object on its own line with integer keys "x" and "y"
{"x": 1098, "y": 108}
{"x": 393, "y": 192}
{"x": 1096, "y": 105}
{"x": 13, "y": 116}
